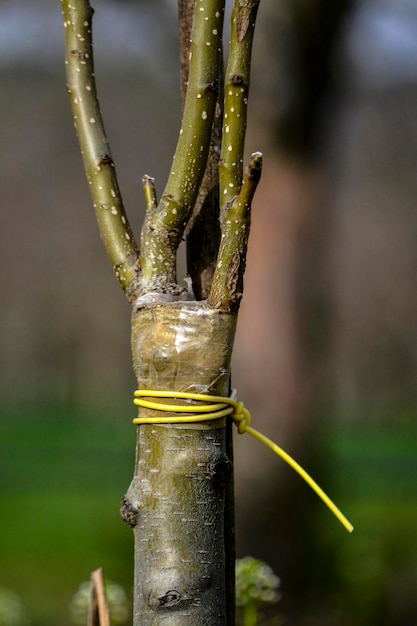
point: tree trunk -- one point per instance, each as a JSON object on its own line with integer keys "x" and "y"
{"x": 181, "y": 493}
{"x": 180, "y": 501}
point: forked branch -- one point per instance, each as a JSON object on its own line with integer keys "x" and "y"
{"x": 236, "y": 191}
{"x": 164, "y": 226}
{"x": 154, "y": 269}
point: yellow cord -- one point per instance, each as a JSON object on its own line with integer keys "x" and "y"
{"x": 217, "y": 407}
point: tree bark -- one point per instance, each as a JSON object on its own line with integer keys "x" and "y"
{"x": 179, "y": 498}
{"x": 180, "y": 501}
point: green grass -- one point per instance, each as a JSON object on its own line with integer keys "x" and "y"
{"x": 51, "y": 542}
{"x": 375, "y": 462}
{"x": 62, "y": 477}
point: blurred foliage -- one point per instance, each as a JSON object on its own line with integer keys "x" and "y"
{"x": 256, "y": 587}
{"x": 63, "y": 476}
{"x": 12, "y": 611}
{"x": 117, "y": 603}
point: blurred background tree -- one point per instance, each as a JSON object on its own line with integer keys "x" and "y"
{"x": 326, "y": 354}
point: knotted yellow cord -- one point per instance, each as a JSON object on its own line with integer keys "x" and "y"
{"x": 218, "y": 407}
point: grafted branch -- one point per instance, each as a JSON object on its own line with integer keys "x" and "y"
{"x": 196, "y": 156}
{"x": 203, "y": 229}
{"x": 227, "y": 288}
{"x": 235, "y": 194}
{"x": 95, "y": 149}
{"x": 236, "y": 98}
{"x": 164, "y": 226}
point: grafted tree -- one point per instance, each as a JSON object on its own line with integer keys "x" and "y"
{"x": 180, "y": 501}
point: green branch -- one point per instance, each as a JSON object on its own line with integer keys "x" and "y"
{"x": 227, "y": 288}
{"x": 203, "y": 228}
{"x": 235, "y": 194}
{"x": 98, "y": 163}
{"x": 164, "y": 226}
{"x": 149, "y": 192}
{"x": 236, "y": 98}
{"x": 185, "y": 24}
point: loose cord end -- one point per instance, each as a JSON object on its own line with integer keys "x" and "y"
{"x": 215, "y": 407}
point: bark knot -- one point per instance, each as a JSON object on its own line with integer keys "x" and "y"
{"x": 212, "y": 87}
{"x": 171, "y": 598}
{"x": 105, "y": 159}
{"x": 237, "y": 80}
{"x": 78, "y": 54}
{"x": 128, "y": 512}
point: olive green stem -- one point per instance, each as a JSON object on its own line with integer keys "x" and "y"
{"x": 164, "y": 226}
{"x": 149, "y": 192}
{"x": 235, "y": 195}
{"x": 236, "y": 98}
{"x": 203, "y": 228}
{"x": 185, "y": 24}
{"x": 227, "y": 287}
{"x": 98, "y": 163}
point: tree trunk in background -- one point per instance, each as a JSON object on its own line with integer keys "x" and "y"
{"x": 283, "y": 333}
